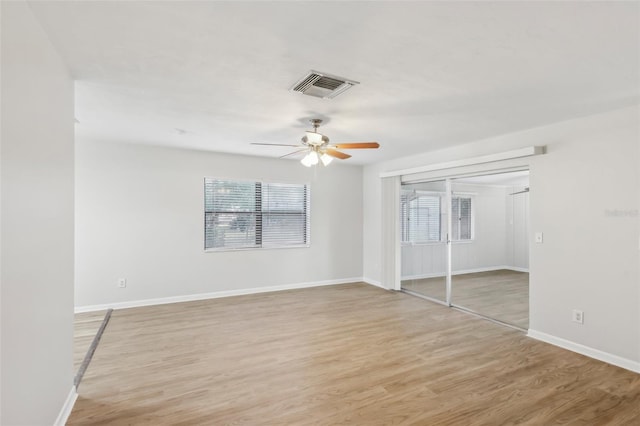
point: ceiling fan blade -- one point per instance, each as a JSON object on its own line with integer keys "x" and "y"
{"x": 275, "y": 144}
{"x": 294, "y": 152}
{"x": 337, "y": 154}
{"x": 357, "y": 145}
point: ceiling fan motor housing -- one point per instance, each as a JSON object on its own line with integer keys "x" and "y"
{"x": 315, "y": 139}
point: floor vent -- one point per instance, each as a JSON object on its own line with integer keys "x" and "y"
{"x": 322, "y": 85}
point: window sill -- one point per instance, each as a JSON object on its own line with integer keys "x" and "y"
{"x": 463, "y": 241}
{"x": 232, "y": 249}
{"x": 435, "y": 243}
{"x": 426, "y": 243}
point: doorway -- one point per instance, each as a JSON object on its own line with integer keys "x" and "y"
{"x": 464, "y": 243}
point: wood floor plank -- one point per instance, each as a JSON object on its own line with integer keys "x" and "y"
{"x": 347, "y": 354}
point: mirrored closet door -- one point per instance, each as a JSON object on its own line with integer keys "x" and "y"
{"x": 423, "y": 223}
{"x": 489, "y": 246}
{"x": 471, "y": 232}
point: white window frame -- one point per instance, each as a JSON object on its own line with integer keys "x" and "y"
{"x": 443, "y": 214}
{"x": 472, "y": 201}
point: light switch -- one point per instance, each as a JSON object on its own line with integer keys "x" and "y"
{"x": 539, "y": 237}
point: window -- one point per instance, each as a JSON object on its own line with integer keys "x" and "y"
{"x": 461, "y": 218}
{"x": 423, "y": 221}
{"x": 245, "y": 214}
{"x": 421, "y": 217}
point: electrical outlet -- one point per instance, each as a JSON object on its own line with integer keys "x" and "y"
{"x": 122, "y": 282}
{"x": 577, "y": 316}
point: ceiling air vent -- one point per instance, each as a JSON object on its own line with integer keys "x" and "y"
{"x": 322, "y": 85}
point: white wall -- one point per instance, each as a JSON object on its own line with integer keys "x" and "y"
{"x": 589, "y": 258}
{"x": 139, "y": 216}
{"x": 487, "y": 250}
{"x": 37, "y": 223}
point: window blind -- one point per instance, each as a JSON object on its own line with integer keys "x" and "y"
{"x": 422, "y": 218}
{"x": 285, "y": 221}
{"x": 461, "y": 215}
{"x": 420, "y": 215}
{"x": 245, "y": 214}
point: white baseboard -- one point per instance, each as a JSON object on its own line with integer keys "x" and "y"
{"x": 516, "y": 268}
{"x": 66, "y": 409}
{"x": 586, "y": 350}
{"x": 422, "y": 276}
{"x": 466, "y": 271}
{"x": 373, "y": 283}
{"x": 213, "y": 295}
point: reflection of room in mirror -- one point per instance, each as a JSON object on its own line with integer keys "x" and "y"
{"x": 489, "y": 238}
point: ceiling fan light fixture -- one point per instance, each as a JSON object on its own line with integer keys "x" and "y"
{"x": 311, "y": 159}
{"x": 326, "y": 159}
{"x": 305, "y": 161}
{"x": 314, "y": 138}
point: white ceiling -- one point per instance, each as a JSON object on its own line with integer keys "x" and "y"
{"x": 215, "y": 75}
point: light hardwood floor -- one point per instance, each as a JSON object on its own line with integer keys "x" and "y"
{"x": 502, "y": 295}
{"x": 347, "y": 354}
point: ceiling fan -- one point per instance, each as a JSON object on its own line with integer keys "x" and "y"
{"x": 317, "y": 147}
